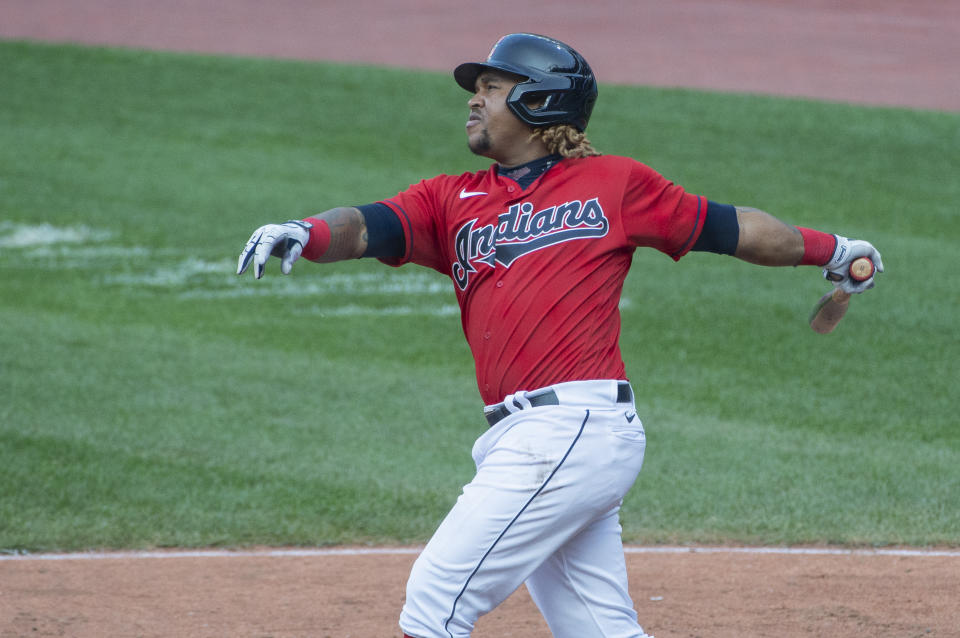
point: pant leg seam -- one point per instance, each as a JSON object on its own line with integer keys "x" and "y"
{"x": 466, "y": 584}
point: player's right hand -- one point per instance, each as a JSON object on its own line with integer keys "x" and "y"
{"x": 837, "y": 269}
{"x": 285, "y": 241}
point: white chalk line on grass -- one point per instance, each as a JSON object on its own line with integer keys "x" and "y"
{"x": 27, "y": 235}
{"x": 399, "y": 551}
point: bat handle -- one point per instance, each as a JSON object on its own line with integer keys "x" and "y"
{"x": 839, "y": 296}
{"x": 829, "y": 311}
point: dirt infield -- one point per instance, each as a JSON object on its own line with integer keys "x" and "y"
{"x": 678, "y": 594}
{"x": 885, "y": 52}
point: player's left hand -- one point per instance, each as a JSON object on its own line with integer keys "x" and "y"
{"x": 837, "y": 270}
{"x": 285, "y": 241}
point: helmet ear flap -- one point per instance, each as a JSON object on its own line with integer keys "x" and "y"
{"x": 544, "y": 101}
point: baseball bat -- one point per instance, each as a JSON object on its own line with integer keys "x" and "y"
{"x": 833, "y": 306}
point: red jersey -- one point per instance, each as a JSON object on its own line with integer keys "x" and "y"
{"x": 538, "y": 272}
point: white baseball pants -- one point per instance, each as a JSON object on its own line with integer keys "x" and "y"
{"x": 542, "y": 509}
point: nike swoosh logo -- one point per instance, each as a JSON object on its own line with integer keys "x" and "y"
{"x": 464, "y": 193}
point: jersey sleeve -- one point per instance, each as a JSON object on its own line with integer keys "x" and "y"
{"x": 421, "y": 219}
{"x": 660, "y": 214}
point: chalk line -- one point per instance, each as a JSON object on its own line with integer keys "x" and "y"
{"x": 399, "y": 551}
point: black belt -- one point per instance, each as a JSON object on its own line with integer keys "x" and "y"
{"x": 541, "y": 398}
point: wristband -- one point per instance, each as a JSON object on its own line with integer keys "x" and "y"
{"x": 818, "y": 247}
{"x": 319, "y": 239}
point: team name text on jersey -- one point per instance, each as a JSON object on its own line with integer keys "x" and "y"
{"x": 520, "y": 231}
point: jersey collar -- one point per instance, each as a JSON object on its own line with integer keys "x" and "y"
{"x": 527, "y": 174}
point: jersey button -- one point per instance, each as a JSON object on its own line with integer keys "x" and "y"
{"x": 486, "y": 335}
{"x": 499, "y": 284}
{"x": 510, "y": 189}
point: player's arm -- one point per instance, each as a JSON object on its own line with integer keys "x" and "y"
{"x": 765, "y": 240}
{"x": 760, "y": 238}
{"x": 337, "y": 234}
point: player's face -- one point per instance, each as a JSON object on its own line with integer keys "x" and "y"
{"x": 493, "y": 130}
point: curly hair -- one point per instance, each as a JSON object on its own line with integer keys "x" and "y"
{"x": 565, "y": 140}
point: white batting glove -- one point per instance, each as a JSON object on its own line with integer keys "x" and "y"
{"x": 837, "y": 270}
{"x": 285, "y": 241}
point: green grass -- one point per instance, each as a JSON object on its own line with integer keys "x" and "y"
{"x": 148, "y": 397}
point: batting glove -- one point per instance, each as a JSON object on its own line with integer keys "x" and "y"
{"x": 285, "y": 241}
{"x": 837, "y": 270}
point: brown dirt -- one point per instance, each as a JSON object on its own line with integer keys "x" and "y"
{"x": 885, "y": 52}
{"x": 888, "y": 52}
{"x": 723, "y": 594}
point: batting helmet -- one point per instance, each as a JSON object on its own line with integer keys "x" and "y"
{"x": 559, "y": 81}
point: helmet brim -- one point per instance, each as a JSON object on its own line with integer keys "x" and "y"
{"x": 467, "y": 73}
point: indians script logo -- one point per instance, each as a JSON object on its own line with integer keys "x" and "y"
{"x": 520, "y": 231}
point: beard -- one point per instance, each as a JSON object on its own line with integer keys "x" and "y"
{"x": 481, "y": 144}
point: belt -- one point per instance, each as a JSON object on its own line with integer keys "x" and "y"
{"x": 548, "y": 396}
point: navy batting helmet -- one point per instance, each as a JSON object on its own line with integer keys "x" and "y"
{"x": 559, "y": 81}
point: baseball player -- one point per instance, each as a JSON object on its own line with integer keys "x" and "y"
{"x": 537, "y": 248}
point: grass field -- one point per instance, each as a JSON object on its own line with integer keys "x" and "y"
{"x": 149, "y": 397}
